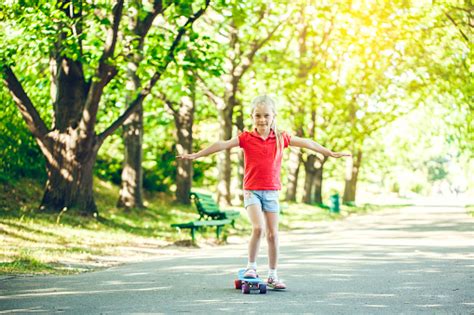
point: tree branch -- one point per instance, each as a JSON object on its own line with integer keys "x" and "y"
{"x": 208, "y": 91}
{"x": 171, "y": 105}
{"x": 469, "y": 11}
{"x": 142, "y": 27}
{"x": 119, "y": 121}
{"x": 104, "y": 73}
{"x": 324, "y": 38}
{"x": 33, "y": 120}
{"x": 256, "y": 46}
{"x": 112, "y": 33}
{"x": 156, "y": 76}
{"x": 458, "y": 28}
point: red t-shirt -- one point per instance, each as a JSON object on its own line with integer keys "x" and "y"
{"x": 262, "y": 166}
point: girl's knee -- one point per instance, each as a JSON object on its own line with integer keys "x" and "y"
{"x": 258, "y": 230}
{"x": 272, "y": 236}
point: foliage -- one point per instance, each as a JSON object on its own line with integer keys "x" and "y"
{"x": 394, "y": 79}
{"x": 19, "y": 153}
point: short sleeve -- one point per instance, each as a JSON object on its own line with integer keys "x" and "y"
{"x": 243, "y": 139}
{"x": 286, "y": 139}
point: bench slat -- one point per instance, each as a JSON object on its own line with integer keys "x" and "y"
{"x": 202, "y": 223}
{"x": 193, "y": 225}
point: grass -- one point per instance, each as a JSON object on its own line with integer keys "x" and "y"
{"x": 470, "y": 209}
{"x": 41, "y": 243}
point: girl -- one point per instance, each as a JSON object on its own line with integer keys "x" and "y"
{"x": 262, "y": 159}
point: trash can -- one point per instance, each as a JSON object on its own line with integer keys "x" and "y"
{"x": 334, "y": 204}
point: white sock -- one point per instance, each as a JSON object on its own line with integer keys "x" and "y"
{"x": 272, "y": 273}
{"x": 252, "y": 265}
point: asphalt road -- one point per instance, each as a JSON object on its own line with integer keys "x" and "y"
{"x": 415, "y": 260}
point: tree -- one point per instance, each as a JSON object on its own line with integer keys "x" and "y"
{"x": 419, "y": 55}
{"x": 140, "y": 21}
{"x": 70, "y": 146}
{"x": 242, "y": 42}
{"x": 310, "y": 91}
{"x": 383, "y": 77}
{"x": 453, "y": 34}
{"x": 180, "y": 95}
{"x": 183, "y": 115}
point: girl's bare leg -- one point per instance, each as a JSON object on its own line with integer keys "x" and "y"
{"x": 258, "y": 225}
{"x": 271, "y": 219}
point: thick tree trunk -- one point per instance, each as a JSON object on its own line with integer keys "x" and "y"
{"x": 68, "y": 92}
{"x": 352, "y": 172}
{"x": 294, "y": 163}
{"x": 70, "y": 165}
{"x": 184, "y": 120}
{"x": 70, "y": 153}
{"x": 131, "y": 191}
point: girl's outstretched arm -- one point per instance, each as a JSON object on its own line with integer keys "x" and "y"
{"x": 213, "y": 148}
{"x": 313, "y": 145}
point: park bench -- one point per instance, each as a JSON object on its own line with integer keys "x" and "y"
{"x": 208, "y": 209}
{"x": 195, "y": 225}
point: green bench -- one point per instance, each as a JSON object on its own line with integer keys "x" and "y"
{"x": 208, "y": 209}
{"x": 194, "y": 225}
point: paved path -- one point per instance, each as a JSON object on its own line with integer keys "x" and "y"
{"x": 415, "y": 260}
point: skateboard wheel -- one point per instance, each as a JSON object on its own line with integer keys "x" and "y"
{"x": 263, "y": 288}
{"x": 245, "y": 288}
{"x": 238, "y": 284}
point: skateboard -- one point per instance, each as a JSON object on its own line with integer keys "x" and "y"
{"x": 249, "y": 284}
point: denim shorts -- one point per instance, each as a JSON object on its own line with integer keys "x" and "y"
{"x": 267, "y": 199}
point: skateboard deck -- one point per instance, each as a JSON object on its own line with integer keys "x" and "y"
{"x": 249, "y": 284}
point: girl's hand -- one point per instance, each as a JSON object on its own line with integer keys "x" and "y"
{"x": 339, "y": 154}
{"x": 190, "y": 156}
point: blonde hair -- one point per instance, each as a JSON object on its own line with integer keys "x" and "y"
{"x": 266, "y": 100}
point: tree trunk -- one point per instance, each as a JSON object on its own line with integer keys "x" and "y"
{"x": 293, "y": 172}
{"x": 318, "y": 185}
{"x": 239, "y": 122}
{"x": 352, "y": 172}
{"x": 184, "y": 120}
{"x": 67, "y": 92}
{"x": 313, "y": 180}
{"x": 224, "y": 163}
{"x": 131, "y": 191}
{"x": 310, "y": 172}
{"x": 184, "y": 174}
{"x": 131, "y": 188}
{"x": 70, "y": 158}
{"x": 69, "y": 164}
